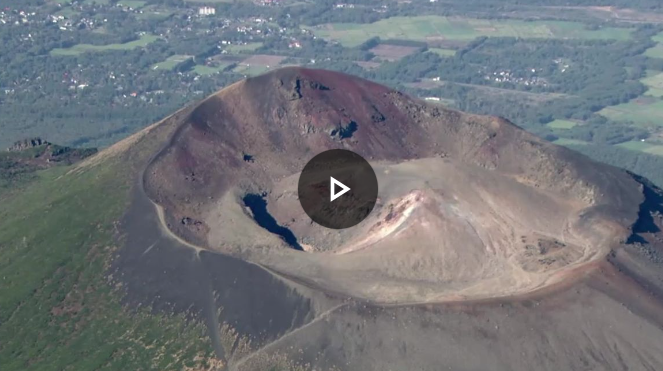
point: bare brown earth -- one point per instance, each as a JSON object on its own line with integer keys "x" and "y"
{"x": 488, "y": 249}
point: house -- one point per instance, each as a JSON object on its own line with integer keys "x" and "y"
{"x": 206, "y": 10}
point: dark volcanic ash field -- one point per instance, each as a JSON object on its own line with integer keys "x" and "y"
{"x": 488, "y": 249}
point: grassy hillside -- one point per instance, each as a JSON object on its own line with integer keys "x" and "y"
{"x": 57, "y": 310}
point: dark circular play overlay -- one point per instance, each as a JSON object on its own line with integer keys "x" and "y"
{"x": 347, "y": 168}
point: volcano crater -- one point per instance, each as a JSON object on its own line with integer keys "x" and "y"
{"x": 470, "y": 207}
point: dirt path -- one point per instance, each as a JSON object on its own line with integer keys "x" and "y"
{"x": 164, "y": 227}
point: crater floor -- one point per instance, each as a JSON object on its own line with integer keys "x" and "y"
{"x": 438, "y": 233}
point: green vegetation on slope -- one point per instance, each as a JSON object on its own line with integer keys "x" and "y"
{"x": 19, "y": 167}
{"x": 57, "y": 310}
{"x": 13, "y": 172}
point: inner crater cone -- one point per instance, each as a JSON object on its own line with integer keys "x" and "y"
{"x": 349, "y": 169}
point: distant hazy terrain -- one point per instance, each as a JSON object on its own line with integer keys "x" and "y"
{"x": 584, "y": 74}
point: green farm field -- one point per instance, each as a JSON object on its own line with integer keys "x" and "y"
{"x": 657, "y": 50}
{"x": 655, "y": 84}
{"x": 84, "y": 48}
{"x": 655, "y": 150}
{"x": 243, "y": 48}
{"x": 155, "y": 12}
{"x": 635, "y": 145}
{"x": 562, "y": 124}
{"x": 208, "y": 70}
{"x": 645, "y": 111}
{"x": 250, "y": 70}
{"x": 443, "y": 52}
{"x": 568, "y": 142}
{"x": 438, "y": 28}
{"x": 67, "y": 11}
{"x": 170, "y": 62}
{"x": 646, "y": 147}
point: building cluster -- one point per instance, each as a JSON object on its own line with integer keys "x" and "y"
{"x": 200, "y": 19}
{"x": 562, "y": 66}
{"x": 511, "y": 77}
{"x": 269, "y": 2}
{"x": 16, "y": 17}
{"x": 206, "y": 10}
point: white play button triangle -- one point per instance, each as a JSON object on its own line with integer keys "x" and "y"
{"x": 343, "y": 205}
{"x": 332, "y": 189}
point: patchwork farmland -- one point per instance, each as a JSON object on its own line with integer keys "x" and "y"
{"x": 437, "y": 28}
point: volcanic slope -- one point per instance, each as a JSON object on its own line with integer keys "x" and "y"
{"x": 470, "y": 207}
{"x": 575, "y": 245}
